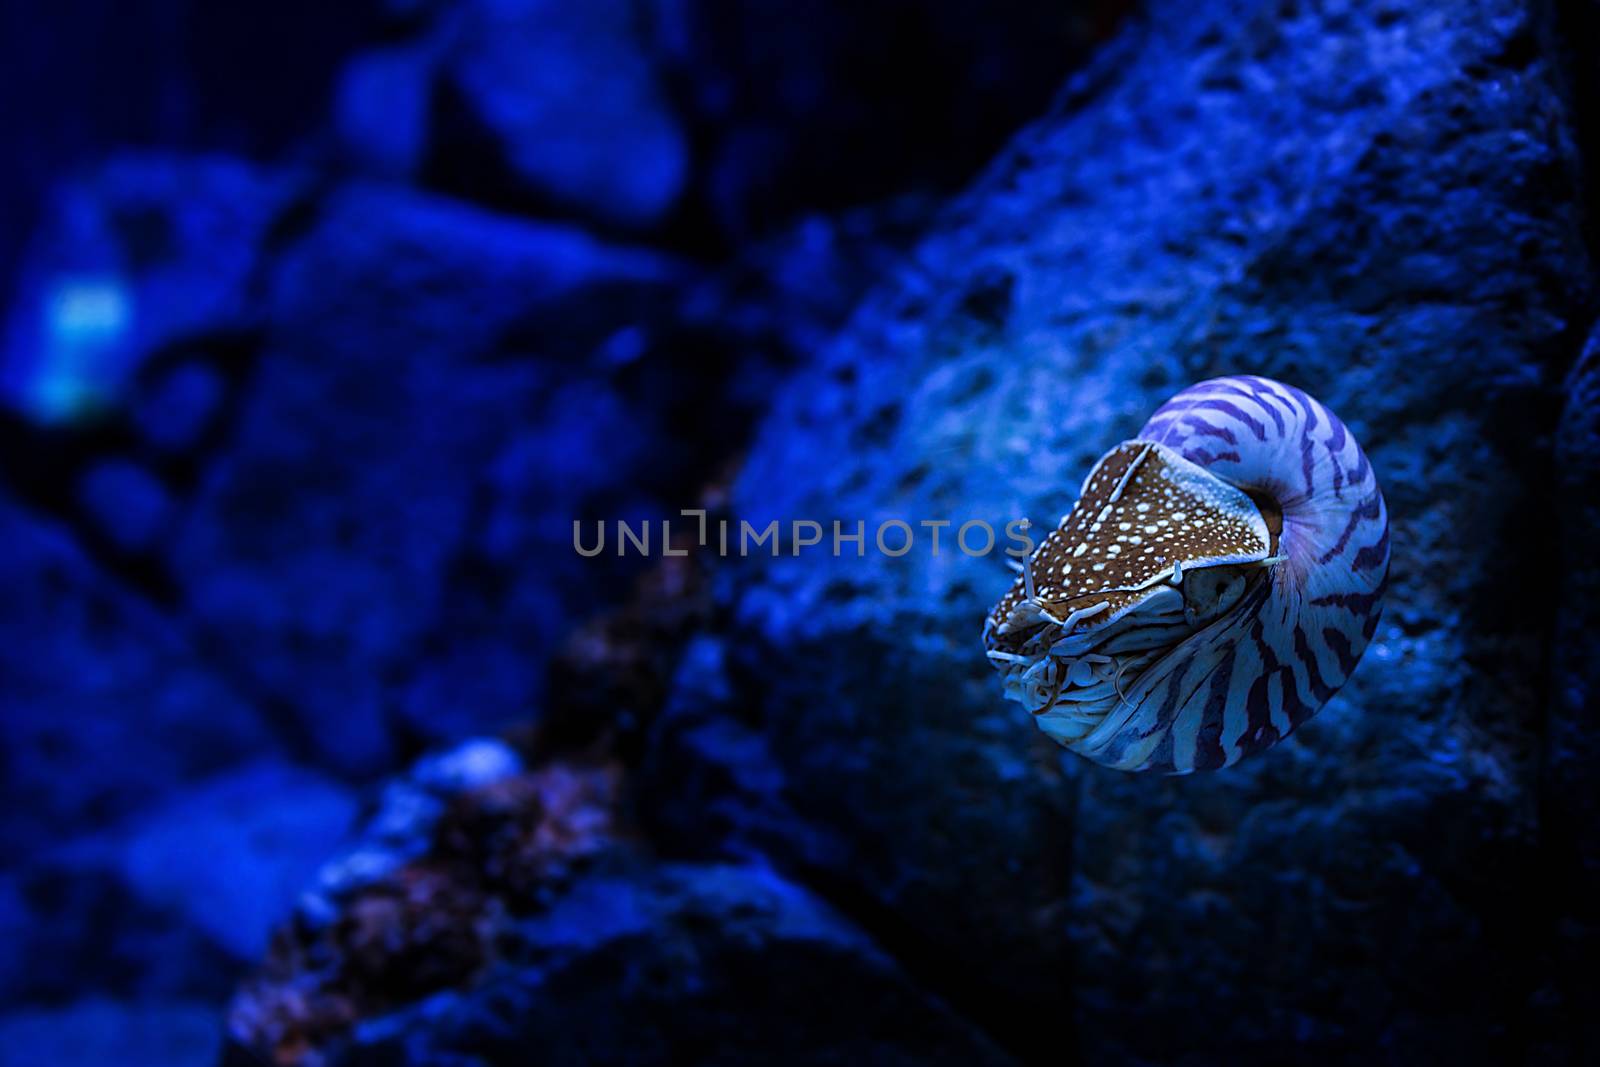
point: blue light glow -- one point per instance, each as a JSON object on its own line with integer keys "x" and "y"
{"x": 80, "y": 360}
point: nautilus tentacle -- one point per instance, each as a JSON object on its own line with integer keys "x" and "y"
{"x": 1214, "y": 585}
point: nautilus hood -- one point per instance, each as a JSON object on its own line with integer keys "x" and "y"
{"x": 1214, "y": 584}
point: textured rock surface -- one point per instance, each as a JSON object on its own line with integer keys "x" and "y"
{"x": 141, "y": 865}
{"x": 1570, "y": 801}
{"x": 678, "y": 964}
{"x": 702, "y": 121}
{"x": 1375, "y": 202}
{"x": 535, "y": 77}
{"x": 490, "y": 908}
{"x": 382, "y": 540}
{"x": 74, "y": 757}
{"x": 232, "y": 853}
{"x": 324, "y": 545}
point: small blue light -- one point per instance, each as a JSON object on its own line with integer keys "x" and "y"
{"x": 78, "y": 369}
{"x": 88, "y": 310}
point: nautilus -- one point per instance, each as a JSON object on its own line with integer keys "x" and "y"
{"x": 1214, "y": 585}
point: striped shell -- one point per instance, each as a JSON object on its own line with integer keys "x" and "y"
{"x": 1214, "y": 585}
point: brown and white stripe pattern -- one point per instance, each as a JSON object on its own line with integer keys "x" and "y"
{"x": 1215, "y": 585}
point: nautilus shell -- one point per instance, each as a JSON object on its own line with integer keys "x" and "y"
{"x": 1214, "y": 585}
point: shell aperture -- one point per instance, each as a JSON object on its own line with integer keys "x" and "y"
{"x": 1214, "y": 584}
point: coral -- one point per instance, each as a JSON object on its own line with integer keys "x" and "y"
{"x": 418, "y": 904}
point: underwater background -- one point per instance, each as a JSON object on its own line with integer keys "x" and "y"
{"x": 320, "y": 745}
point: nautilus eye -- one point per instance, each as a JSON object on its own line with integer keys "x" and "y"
{"x": 1215, "y": 583}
